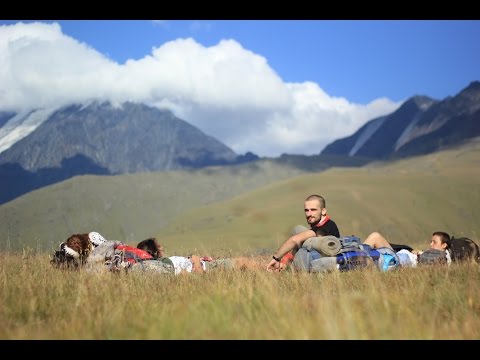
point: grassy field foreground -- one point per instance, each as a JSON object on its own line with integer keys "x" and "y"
{"x": 39, "y": 302}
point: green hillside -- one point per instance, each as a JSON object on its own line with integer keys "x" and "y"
{"x": 406, "y": 201}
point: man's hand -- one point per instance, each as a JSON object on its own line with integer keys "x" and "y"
{"x": 273, "y": 265}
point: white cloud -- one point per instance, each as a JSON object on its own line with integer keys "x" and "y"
{"x": 225, "y": 90}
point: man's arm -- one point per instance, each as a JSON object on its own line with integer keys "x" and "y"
{"x": 293, "y": 242}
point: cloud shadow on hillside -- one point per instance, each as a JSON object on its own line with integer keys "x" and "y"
{"x": 16, "y": 181}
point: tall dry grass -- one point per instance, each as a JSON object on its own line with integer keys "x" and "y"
{"x": 39, "y": 302}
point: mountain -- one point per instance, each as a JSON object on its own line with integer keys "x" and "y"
{"x": 127, "y": 139}
{"x": 420, "y": 126}
{"x": 102, "y": 139}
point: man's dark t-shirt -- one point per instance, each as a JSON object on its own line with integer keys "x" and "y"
{"x": 328, "y": 228}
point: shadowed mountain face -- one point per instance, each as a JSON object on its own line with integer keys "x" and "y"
{"x": 16, "y": 181}
{"x": 420, "y": 126}
{"x": 4, "y": 117}
{"x": 102, "y": 139}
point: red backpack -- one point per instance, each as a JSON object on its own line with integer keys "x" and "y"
{"x": 133, "y": 254}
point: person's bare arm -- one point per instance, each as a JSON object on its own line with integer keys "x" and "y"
{"x": 197, "y": 265}
{"x": 293, "y": 242}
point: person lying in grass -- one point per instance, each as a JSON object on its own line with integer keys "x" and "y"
{"x": 93, "y": 252}
{"x": 439, "y": 251}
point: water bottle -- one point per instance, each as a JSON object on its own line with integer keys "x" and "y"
{"x": 389, "y": 262}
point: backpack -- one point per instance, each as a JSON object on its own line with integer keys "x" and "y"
{"x": 353, "y": 254}
{"x": 62, "y": 260}
{"x": 351, "y": 260}
{"x": 133, "y": 254}
{"x": 463, "y": 248}
{"x": 432, "y": 257}
{"x": 324, "y": 254}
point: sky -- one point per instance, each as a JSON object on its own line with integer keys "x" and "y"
{"x": 266, "y": 86}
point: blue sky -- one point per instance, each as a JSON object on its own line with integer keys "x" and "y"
{"x": 344, "y": 72}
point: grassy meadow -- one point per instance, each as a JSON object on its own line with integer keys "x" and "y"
{"x": 433, "y": 302}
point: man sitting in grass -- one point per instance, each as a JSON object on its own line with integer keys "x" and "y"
{"x": 320, "y": 225}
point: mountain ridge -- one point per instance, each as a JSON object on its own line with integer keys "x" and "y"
{"x": 421, "y": 125}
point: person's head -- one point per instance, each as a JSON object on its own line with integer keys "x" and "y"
{"x": 78, "y": 246}
{"x": 152, "y": 247}
{"x": 80, "y": 243}
{"x": 315, "y": 209}
{"x": 439, "y": 240}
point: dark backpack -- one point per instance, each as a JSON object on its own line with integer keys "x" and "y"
{"x": 463, "y": 248}
{"x": 351, "y": 255}
{"x": 432, "y": 257}
{"x": 62, "y": 260}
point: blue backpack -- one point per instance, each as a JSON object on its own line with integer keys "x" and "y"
{"x": 352, "y": 254}
{"x": 351, "y": 260}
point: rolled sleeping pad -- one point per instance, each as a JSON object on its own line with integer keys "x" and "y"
{"x": 326, "y": 245}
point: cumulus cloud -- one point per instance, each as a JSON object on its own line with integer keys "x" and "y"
{"x": 225, "y": 90}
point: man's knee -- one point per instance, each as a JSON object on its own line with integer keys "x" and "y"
{"x": 298, "y": 229}
{"x": 302, "y": 260}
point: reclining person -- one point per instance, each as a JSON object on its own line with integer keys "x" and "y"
{"x": 382, "y": 253}
{"x": 195, "y": 263}
{"x": 439, "y": 249}
{"x": 75, "y": 251}
{"x": 94, "y": 253}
